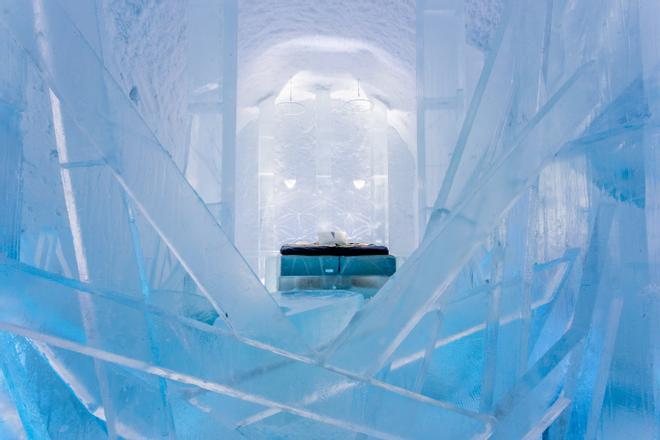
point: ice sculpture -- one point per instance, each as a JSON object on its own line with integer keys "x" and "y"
{"x": 529, "y": 309}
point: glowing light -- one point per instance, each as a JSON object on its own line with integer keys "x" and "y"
{"x": 290, "y": 183}
{"x": 359, "y": 183}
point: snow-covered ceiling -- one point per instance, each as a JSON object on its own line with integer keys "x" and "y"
{"x": 373, "y": 40}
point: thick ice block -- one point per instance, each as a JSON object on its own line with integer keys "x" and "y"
{"x": 378, "y": 265}
{"x": 363, "y": 346}
{"x": 10, "y": 179}
{"x": 213, "y": 360}
{"x": 320, "y": 315}
{"x": 300, "y": 265}
{"x": 126, "y": 144}
{"x": 33, "y": 385}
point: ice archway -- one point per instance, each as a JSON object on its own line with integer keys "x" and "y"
{"x": 323, "y": 163}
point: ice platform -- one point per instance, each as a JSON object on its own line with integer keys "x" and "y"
{"x": 302, "y": 272}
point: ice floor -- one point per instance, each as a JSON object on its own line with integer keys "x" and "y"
{"x": 155, "y": 155}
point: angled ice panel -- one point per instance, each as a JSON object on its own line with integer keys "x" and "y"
{"x": 460, "y": 338}
{"x": 126, "y": 145}
{"x": 211, "y": 359}
{"x": 320, "y": 315}
{"x": 10, "y": 421}
{"x": 367, "y": 343}
{"x": 34, "y": 387}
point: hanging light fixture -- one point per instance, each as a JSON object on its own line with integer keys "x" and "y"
{"x": 290, "y": 183}
{"x": 359, "y": 104}
{"x": 290, "y": 107}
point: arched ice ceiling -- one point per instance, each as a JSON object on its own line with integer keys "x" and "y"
{"x": 373, "y": 40}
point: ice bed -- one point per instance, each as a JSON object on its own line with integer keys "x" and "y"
{"x": 353, "y": 266}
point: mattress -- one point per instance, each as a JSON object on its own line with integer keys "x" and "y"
{"x": 346, "y": 250}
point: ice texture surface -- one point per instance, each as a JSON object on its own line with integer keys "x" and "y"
{"x": 530, "y": 308}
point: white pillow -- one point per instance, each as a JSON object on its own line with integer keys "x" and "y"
{"x": 331, "y": 238}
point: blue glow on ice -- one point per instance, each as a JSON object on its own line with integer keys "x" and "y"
{"x": 509, "y": 157}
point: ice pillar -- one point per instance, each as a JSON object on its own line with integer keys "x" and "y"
{"x": 229, "y": 81}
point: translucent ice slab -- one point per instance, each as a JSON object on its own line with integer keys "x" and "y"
{"x": 210, "y": 359}
{"x": 546, "y": 102}
{"x": 117, "y": 135}
{"x": 320, "y": 315}
{"x": 367, "y": 343}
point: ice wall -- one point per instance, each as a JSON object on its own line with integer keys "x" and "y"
{"x": 529, "y": 310}
{"x": 323, "y": 165}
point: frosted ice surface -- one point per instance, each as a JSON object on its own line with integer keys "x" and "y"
{"x": 530, "y": 308}
{"x": 211, "y": 359}
{"x": 122, "y": 141}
